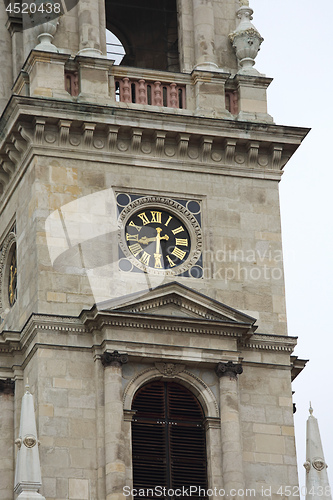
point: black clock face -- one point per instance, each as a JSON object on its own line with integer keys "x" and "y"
{"x": 157, "y": 238}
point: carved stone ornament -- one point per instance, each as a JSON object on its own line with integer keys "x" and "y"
{"x": 169, "y": 369}
{"x": 246, "y": 40}
{"x": 29, "y": 441}
{"x": 18, "y": 442}
{"x": 110, "y": 358}
{"x": 45, "y": 33}
{"x": 307, "y": 466}
{"x": 318, "y": 464}
{"x": 228, "y": 369}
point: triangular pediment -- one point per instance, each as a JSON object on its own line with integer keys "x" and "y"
{"x": 177, "y": 301}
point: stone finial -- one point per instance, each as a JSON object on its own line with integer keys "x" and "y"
{"x": 315, "y": 465}
{"x": 113, "y": 358}
{"x": 45, "y": 33}
{"x": 228, "y": 369}
{"x": 246, "y": 40}
{"x": 28, "y": 479}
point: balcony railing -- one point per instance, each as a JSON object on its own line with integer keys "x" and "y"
{"x": 142, "y": 87}
{"x": 155, "y": 93}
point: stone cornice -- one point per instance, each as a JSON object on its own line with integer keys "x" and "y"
{"x": 265, "y": 342}
{"x": 55, "y": 127}
{"x": 47, "y": 331}
{"x": 9, "y": 342}
{"x": 161, "y": 323}
{"x": 297, "y": 365}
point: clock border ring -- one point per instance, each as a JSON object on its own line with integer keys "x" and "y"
{"x": 179, "y": 211}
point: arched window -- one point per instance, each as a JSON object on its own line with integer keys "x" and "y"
{"x": 148, "y": 31}
{"x": 168, "y": 438}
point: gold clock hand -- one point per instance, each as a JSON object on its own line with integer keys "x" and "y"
{"x": 144, "y": 240}
{"x": 158, "y": 263}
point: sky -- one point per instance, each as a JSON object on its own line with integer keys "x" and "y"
{"x": 298, "y": 53}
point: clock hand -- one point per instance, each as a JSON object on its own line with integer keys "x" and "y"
{"x": 144, "y": 240}
{"x": 157, "y": 254}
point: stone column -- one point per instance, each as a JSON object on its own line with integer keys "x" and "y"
{"x": 204, "y": 35}
{"x": 114, "y": 436}
{"x": 89, "y": 25}
{"x": 7, "y": 444}
{"x": 232, "y": 459}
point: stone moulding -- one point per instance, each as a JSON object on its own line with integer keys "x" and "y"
{"x": 241, "y": 147}
{"x": 187, "y": 305}
{"x": 167, "y": 328}
{"x": 270, "y": 343}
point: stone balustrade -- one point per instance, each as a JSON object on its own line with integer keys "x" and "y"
{"x": 156, "y": 93}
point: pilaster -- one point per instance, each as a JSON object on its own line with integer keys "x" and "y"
{"x": 232, "y": 460}
{"x": 115, "y": 470}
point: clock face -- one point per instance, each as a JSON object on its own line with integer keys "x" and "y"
{"x": 157, "y": 238}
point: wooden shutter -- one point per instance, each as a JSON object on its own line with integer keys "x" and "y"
{"x": 169, "y": 447}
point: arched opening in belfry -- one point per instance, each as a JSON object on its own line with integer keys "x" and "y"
{"x": 114, "y": 48}
{"x": 148, "y": 31}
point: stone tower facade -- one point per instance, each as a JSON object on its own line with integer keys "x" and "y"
{"x": 140, "y": 248}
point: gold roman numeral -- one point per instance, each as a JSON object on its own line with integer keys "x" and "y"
{"x": 156, "y": 217}
{"x": 178, "y": 253}
{"x": 178, "y": 230}
{"x": 133, "y": 225}
{"x": 135, "y": 249}
{"x": 167, "y": 222}
{"x": 145, "y": 258}
{"x": 171, "y": 262}
{"x": 144, "y": 218}
{"x": 182, "y": 242}
{"x": 132, "y": 237}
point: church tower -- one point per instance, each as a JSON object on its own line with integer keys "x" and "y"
{"x": 141, "y": 273}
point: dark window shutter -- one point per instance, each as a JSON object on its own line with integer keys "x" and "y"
{"x": 168, "y": 438}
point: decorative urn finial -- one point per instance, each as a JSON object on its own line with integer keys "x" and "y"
{"x": 45, "y": 33}
{"x": 246, "y": 40}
